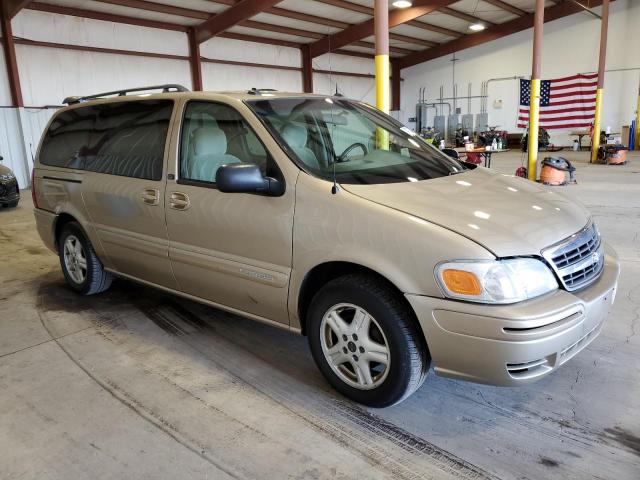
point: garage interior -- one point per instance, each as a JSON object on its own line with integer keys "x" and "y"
{"x": 136, "y": 383}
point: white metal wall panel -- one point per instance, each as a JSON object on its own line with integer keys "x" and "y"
{"x": 20, "y": 133}
{"x": 239, "y": 51}
{"x": 50, "y": 27}
{"x": 218, "y": 77}
{"x": 351, "y": 87}
{"x": 48, "y": 75}
{"x": 344, "y": 63}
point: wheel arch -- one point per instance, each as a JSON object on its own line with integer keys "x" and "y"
{"x": 61, "y": 220}
{"x": 325, "y": 272}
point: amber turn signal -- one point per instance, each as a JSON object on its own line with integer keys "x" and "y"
{"x": 459, "y": 281}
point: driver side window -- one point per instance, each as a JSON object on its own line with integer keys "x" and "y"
{"x": 213, "y": 135}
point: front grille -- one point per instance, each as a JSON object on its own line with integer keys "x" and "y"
{"x": 578, "y": 260}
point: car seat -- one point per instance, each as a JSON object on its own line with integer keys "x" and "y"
{"x": 209, "y": 153}
{"x": 296, "y": 137}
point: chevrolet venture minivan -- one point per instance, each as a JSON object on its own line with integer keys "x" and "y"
{"x": 326, "y": 217}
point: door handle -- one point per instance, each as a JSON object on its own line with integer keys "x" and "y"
{"x": 151, "y": 196}
{"x": 179, "y": 201}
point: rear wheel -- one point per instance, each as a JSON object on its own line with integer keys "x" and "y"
{"x": 365, "y": 341}
{"x": 12, "y": 204}
{"x": 80, "y": 265}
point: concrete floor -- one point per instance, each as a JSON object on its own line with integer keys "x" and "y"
{"x": 137, "y": 384}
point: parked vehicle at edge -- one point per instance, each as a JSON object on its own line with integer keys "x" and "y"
{"x": 324, "y": 216}
{"x": 9, "y": 190}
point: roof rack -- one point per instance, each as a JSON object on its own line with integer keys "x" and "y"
{"x": 170, "y": 87}
{"x": 260, "y": 91}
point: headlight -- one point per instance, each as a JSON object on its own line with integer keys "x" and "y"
{"x": 495, "y": 281}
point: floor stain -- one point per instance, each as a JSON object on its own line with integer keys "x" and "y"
{"x": 548, "y": 462}
{"x": 625, "y": 438}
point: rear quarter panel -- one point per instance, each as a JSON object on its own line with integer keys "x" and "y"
{"x": 59, "y": 191}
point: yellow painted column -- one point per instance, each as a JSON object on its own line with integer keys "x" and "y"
{"x": 383, "y": 102}
{"x": 534, "y": 100}
{"x": 602, "y": 59}
{"x": 382, "y": 83}
{"x": 595, "y": 141}
{"x": 534, "y": 116}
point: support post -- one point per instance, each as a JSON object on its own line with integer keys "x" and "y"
{"x": 10, "y": 57}
{"x": 395, "y": 86}
{"x": 195, "y": 61}
{"x": 534, "y": 103}
{"x": 637, "y": 135}
{"x": 381, "y": 20}
{"x": 307, "y": 69}
{"x": 604, "y": 27}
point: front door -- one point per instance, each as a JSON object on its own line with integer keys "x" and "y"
{"x": 233, "y": 249}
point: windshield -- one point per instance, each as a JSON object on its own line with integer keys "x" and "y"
{"x": 363, "y": 145}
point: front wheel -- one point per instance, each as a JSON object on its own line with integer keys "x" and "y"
{"x": 365, "y": 341}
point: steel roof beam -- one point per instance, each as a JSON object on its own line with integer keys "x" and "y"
{"x": 519, "y": 24}
{"x": 366, "y": 28}
{"x": 243, "y": 10}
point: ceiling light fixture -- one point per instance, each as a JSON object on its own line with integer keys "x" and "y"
{"x": 477, "y": 27}
{"x": 402, "y": 4}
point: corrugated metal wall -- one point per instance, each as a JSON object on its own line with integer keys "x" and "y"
{"x": 19, "y": 138}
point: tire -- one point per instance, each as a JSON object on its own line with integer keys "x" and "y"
{"x": 12, "y": 204}
{"x": 80, "y": 265}
{"x": 391, "y": 324}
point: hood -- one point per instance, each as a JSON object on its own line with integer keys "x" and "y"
{"x": 507, "y": 215}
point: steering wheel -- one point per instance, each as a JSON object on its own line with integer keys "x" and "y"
{"x": 343, "y": 157}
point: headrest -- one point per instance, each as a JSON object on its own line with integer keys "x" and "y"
{"x": 295, "y": 135}
{"x": 209, "y": 141}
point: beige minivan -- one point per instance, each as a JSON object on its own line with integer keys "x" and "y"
{"x": 326, "y": 217}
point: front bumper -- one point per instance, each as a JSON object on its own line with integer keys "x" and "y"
{"x": 9, "y": 192}
{"x": 519, "y": 343}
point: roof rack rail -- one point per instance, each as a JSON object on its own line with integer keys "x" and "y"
{"x": 260, "y": 91}
{"x": 170, "y": 87}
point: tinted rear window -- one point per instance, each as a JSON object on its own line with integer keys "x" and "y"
{"x": 123, "y": 138}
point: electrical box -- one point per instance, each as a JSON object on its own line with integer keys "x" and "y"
{"x": 421, "y": 117}
{"x": 482, "y": 122}
{"x": 467, "y": 124}
{"x": 440, "y": 124}
{"x": 453, "y": 122}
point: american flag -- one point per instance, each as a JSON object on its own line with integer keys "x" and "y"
{"x": 566, "y": 102}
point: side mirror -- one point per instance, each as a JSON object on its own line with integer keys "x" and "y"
{"x": 1, "y": 158}
{"x": 247, "y": 178}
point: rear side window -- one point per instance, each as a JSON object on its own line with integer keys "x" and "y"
{"x": 123, "y": 138}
